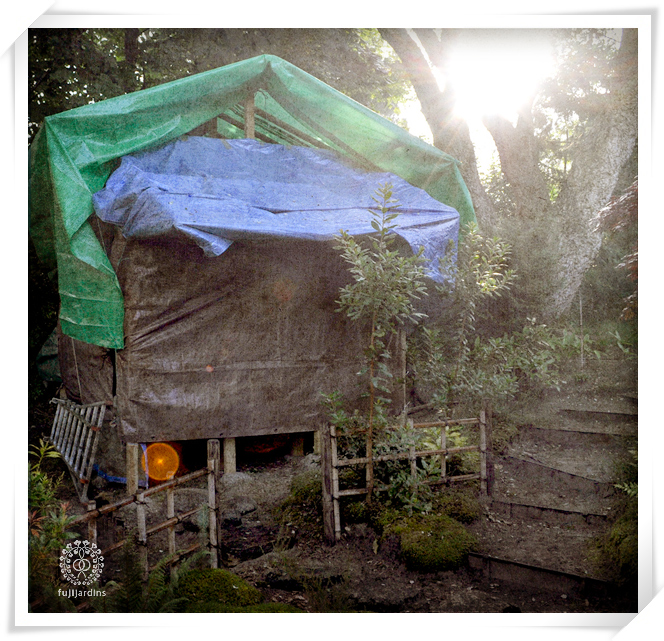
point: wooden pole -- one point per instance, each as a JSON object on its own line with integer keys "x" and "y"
{"x": 488, "y": 413}
{"x": 170, "y": 514}
{"x": 214, "y": 463}
{"x": 132, "y": 468}
{"x": 142, "y": 535}
{"x": 230, "y": 459}
{"x": 250, "y": 117}
{"x": 297, "y": 448}
{"x": 317, "y": 443}
{"x": 335, "y": 482}
{"x": 326, "y": 474}
{"x": 92, "y": 523}
{"x": 483, "y": 451}
{"x": 443, "y": 457}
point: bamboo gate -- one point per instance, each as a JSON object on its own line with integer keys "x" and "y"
{"x": 331, "y": 463}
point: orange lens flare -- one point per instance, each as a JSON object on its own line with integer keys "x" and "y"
{"x": 163, "y": 461}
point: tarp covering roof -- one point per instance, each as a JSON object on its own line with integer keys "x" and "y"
{"x": 216, "y": 191}
{"x": 76, "y": 151}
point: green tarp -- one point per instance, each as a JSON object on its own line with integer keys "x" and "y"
{"x": 75, "y": 152}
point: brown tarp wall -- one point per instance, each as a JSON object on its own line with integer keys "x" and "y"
{"x": 238, "y": 345}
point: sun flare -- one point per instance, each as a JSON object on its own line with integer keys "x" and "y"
{"x": 495, "y": 71}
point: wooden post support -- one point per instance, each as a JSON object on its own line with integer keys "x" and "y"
{"x": 488, "y": 414}
{"x": 132, "y": 468}
{"x": 297, "y": 448}
{"x": 317, "y": 443}
{"x": 170, "y": 513}
{"x": 230, "y": 460}
{"x": 250, "y": 117}
{"x": 142, "y": 535}
{"x": 213, "y": 473}
{"x": 326, "y": 473}
{"x": 335, "y": 482}
{"x": 483, "y": 452}
{"x": 92, "y": 523}
{"x": 443, "y": 457}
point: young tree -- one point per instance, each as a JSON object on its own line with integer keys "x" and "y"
{"x": 552, "y": 231}
{"x": 385, "y": 286}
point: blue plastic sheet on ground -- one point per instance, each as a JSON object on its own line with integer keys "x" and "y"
{"x": 218, "y": 191}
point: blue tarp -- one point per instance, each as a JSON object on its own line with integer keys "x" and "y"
{"x": 217, "y": 191}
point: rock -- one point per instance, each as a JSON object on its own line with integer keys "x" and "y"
{"x": 308, "y": 462}
{"x": 268, "y": 570}
{"x": 228, "y": 480}
{"x": 243, "y": 505}
{"x": 231, "y": 517}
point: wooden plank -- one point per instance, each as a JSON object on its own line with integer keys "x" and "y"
{"x": 354, "y": 492}
{"x": 174, "y": 520}
{"x": 456, "y": 421}
{"x": 402, "y": 456}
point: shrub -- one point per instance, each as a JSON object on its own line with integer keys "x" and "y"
{"x": 48, "y": 531}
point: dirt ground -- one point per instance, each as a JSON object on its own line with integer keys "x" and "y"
{"x": 552, "y": 496}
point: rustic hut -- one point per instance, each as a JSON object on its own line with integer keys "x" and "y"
{"x": 191, "y": 226}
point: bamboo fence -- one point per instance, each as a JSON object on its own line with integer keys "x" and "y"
{"x": 172, "y": 519}
{"x": 331, "y": 463}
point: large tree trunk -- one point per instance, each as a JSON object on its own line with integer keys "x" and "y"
{"x": 601, "y": 154}
{"x": 554, "y": 243}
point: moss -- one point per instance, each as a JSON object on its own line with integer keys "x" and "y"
{"x": 432, "y": 542}
{"x": 617, "y": 551}
{"x": 219, "y": 587}
{"x": 269, "y": 607}
{"x": 307, "y": 488}
{"x": 460, "y": 505}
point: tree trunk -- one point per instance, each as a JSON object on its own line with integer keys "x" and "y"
{"x": 601, "y": 154}
{"x": 554, "y": 243}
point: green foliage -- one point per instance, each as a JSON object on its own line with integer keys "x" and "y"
{"x": 48, "y": 531}
{"x": 616, "y": 551}
{"x": 629, "y": 483}
{"x": 382, "y": 298}
{"x": 460, "y": 358}
{"x": 382, "y": 295}
{"x": 161, "y": 592}
{"x": 72, "y": 67}
{"x": 432, "y": 542}
{"x": 268, "y": 607}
